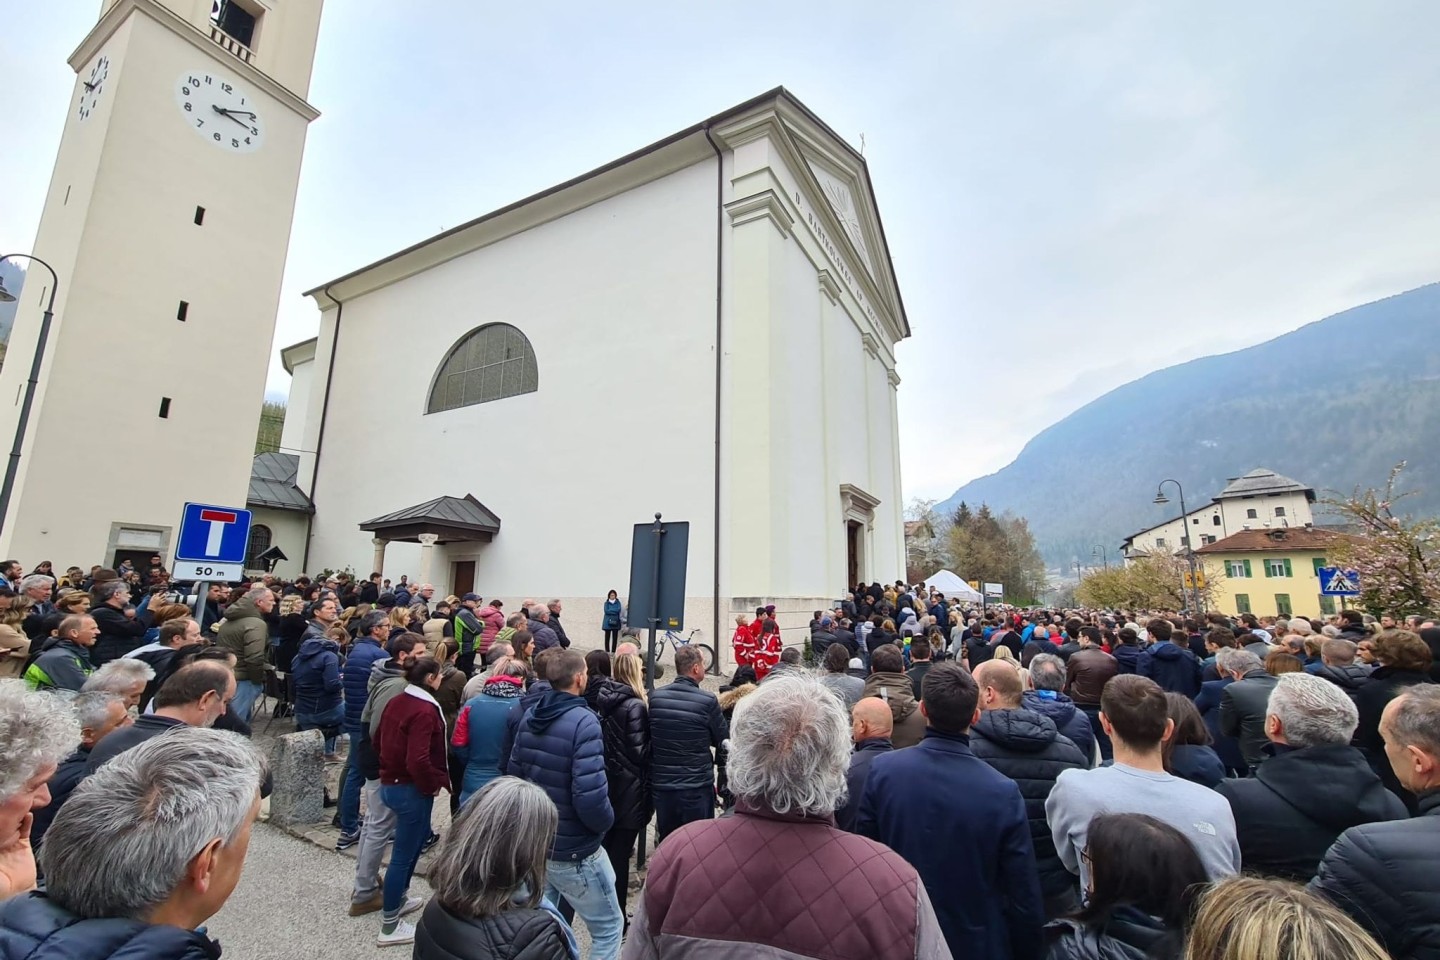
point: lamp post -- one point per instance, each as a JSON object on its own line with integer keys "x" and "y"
{"x": 13, "y": 466}
{"x": 1105, "y": 554}
{"x": 1184, "y": 537}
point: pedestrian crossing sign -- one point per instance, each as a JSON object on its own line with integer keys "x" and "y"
{"x": 1335, "y": 582}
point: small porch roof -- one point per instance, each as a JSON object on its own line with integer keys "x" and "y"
{"x": 449, "y": 518}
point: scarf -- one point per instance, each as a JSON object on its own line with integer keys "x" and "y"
{"x": 503, "y": 686}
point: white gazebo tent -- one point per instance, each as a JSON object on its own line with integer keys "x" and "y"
{"x": 953, "y": 587}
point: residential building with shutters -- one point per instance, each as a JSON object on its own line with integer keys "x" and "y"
{"x": 1270, "y": 573}
{"x": 1260, "y": 500}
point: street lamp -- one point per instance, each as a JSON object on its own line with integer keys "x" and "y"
{"x": 7, "y": 297}
{"x": 1105, "y": 554}
{"x": 1184, "y": 536}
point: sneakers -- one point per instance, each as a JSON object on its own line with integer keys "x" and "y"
{"x": 333, "y": 758}
{"x": 359, "y": 909}
{"x": 411, "y": 905}
{"x": 430, "y": 841}
{"x": 403, "y": 933}
{"x": 347, "y": 840}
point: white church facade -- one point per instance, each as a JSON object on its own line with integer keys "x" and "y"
{"x": 704, "y": 328}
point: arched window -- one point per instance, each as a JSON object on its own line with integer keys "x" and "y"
{"x": 259, "y": 543}
{"x": 488, "y": 363}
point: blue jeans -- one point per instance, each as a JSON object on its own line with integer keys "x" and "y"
{"x": 351, "y": 783}
{"x": 589, "y": 886}
{"x": 412, "y": 829}
{"x": 326, "y": 718}
{"x": 246, "y": 693}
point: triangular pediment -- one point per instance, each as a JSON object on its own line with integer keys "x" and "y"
{"x": 840, "y": 193}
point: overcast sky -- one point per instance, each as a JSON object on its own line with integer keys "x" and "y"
{"x": 1074, "y": 193}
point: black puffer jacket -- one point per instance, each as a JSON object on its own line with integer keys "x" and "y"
{"x": 1127, "y": 935}
{"x": 519, "y": 934}
{"x": 1348, "y": 677}
{"x": 33, "y": 925}
{"x": 625, "y": 722}
{"x": 1027, "y": 747}
{"x": 685, "y": 722}
{"x": 1299, "y": 802}
{"x": 1384, "y": 685}
{"x": 1383, "y": 875}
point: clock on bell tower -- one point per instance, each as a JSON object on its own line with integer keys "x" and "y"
{"x": 167, "y": 220}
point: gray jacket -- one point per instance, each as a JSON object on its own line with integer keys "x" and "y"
{"x": 1242, "y": 713}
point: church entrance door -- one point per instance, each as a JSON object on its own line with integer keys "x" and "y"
{"x": 463, "y": 580}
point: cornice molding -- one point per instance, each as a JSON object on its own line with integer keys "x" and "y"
{"x": 828, "y": 286}
{"x": 170, "y": 20}
{"x": 765, "y": 205}
{"x": 892, "y": 376}
{"x": 871, "y": 345}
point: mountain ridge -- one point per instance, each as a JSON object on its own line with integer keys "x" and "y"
{"x": 1320, "y": 403}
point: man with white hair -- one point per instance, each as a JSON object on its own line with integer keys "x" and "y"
{"x": 126, "y": 678}
{"x": 195, "y": 695}
{"x": 144, "y": 853}
{"x": 37, "y": 730}
{"x": 99, "y": 714}
{"x": 843, "y": 895}
{"x": 39, "y": 588}
{"x": 1313, "y": 786}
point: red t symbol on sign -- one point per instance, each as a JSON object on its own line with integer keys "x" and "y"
{"x": 218, "y": 520}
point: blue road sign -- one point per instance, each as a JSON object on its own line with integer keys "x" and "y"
{"x": 1335, "y": 582}
{"x": 213, "y": 535}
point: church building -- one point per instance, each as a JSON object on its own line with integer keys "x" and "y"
{"x": 704, "y": 329}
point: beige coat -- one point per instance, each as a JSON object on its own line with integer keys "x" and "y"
{"x": 14, "y": 648}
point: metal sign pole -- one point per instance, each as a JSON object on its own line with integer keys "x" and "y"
{"x": 202, "y": 587}
{"x": 657, "y": 531}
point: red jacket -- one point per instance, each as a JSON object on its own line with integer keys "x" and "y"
{"x": 744, "y": 643}
{"x": 411, "y": 742}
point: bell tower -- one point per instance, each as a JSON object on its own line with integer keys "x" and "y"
{"x": 167, "y": 221}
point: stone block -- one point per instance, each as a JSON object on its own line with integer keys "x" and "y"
{"x": 297, "y": 763}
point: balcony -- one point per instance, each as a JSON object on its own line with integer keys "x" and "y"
{"x": 230, "y": 44}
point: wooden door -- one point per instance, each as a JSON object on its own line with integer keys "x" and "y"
{"x": 463, "y": 579}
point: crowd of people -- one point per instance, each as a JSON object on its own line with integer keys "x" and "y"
{"x": 914, "y": 778}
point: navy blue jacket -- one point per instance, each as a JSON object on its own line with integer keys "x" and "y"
{"x": 865, "y": 753}
{"x": 561, "y": 749}
{"x": 355, "y": 678}
{"x": 517, "y": 713}
{"x": 1069, "y": 719}
{"x": 316, "y": 671}
{"x": 1198, "y": 764}
{"x": 1175, "y": 668}
{"x": 34, "y": 925}
{"x": 1127, "y": 656}
{"x": 1208, "y": 703}
{"x": 685, "y": 722}
{"x": 975, "y": 856}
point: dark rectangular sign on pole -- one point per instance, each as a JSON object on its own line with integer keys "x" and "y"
{"x": 670, "y": 547}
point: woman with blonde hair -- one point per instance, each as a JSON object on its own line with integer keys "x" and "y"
{"x": 74, "y": 602}
{"x": 14, "y": 644}
{"x": 399, "y": 621}
{"x": 625, "y": 723}
{"x": 1259, "y": 918}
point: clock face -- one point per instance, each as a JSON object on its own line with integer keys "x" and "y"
{"x": 92, "y": 84}
{"x": 220, "y": 111}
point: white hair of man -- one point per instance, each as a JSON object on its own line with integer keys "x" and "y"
{"x": 92, "y": 707}
{"x": 121, "y": 844}
{"x": 109, "y": 590}
{"x": 37, "y": 730}
{"x": 119, "y": 676}
{"x": 1313, "y": 712}
{"x": 790, "y": 746}
{"x": 1047, "y": 672}
{"x": 1236, "y": 660}
{"x": 255, "y": 593}
{"x": 34, "y": 581}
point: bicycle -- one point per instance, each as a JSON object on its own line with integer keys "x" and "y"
{"x": 675, "y": 641}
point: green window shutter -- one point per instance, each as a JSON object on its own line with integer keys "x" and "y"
{"x": 1247, "y": 568}
{"x": 1288, "y": 571}
{"x": 1265, "y": 565}
{"x": 1318, "y": 562}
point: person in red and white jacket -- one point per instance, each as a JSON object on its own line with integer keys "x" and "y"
{"x": 768, "y": 653}
{"x": 744, "y": 642}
